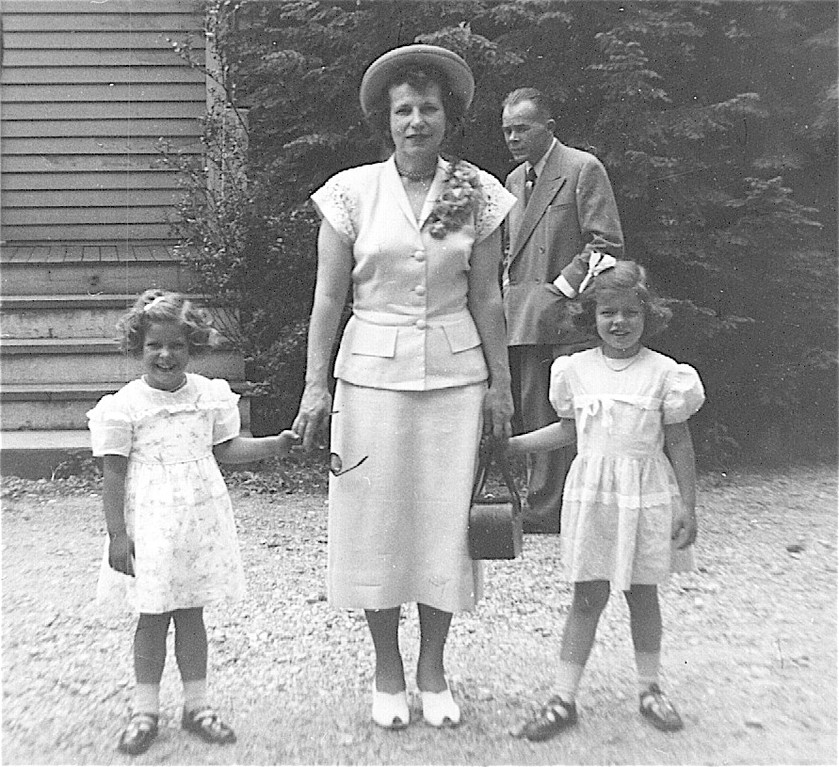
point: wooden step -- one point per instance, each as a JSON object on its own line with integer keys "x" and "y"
{"x": 76, "y": 315}
{"x": 90, "y": 360}
{"x": 74, "y": 277}
{"x": 63, "y": 406}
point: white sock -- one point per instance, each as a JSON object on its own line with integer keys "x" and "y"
{"x": 648, "y": 665}
{"x": 147, "y": 699}
{"x": 195, "y": 694}
{"x": 568, "y": 680}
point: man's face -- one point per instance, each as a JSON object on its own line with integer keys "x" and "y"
{"x": 528, "y": 135}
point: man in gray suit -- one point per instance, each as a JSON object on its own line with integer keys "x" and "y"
{"x": 565, "y": 207}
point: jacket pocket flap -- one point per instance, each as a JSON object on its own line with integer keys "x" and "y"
{"x": 373, "y": 340}
{"x": 462, "y": 335}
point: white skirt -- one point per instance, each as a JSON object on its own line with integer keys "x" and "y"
{"x": 398, "y": 522}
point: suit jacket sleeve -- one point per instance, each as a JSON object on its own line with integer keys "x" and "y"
{"x": 597, "y": 210}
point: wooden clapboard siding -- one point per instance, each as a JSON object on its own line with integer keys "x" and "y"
{"x": 92, "y": 93}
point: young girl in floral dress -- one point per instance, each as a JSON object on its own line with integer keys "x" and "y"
{"x": 628, "y": 509}
{"x": 171, "y": 545}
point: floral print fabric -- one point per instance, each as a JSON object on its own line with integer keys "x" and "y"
{"x": 177, "y": 508}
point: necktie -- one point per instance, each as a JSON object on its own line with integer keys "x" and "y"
{"x": 530, "y": 182}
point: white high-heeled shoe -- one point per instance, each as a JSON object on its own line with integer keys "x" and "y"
{"x": 439, "y": 709}
{"x": 390, "y": 711}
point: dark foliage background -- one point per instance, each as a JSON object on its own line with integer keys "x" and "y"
{"x": 717, "y": 123}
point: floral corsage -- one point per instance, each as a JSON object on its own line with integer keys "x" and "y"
{"x": 458, "y": 200}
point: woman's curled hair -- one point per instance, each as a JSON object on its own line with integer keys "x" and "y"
{"x": 625, "y": 275}
{"x": 419, "y": 78}
{"x": 155, "y": 306}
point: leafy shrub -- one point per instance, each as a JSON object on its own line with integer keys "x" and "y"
{"x": 707, "y": 117}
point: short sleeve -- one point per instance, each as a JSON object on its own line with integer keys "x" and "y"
{"x": 684, "y": 394}
{"x": 111, "y": 429}
{"x": 559, "y": 392}
{"x": 337, "y": 203}
{"x": 225, "y": 408}
{"x": 494, "y": 206}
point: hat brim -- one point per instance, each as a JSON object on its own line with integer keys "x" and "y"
{"x": 379, "y": 73}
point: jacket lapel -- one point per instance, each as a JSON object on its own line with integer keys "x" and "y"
{"x": 547, "y": 186}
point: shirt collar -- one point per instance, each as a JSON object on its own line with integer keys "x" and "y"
{"x": 543, "y": 160}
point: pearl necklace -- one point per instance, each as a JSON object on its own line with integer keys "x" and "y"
{"x": 416, "y": 176}
{"x": 607, "y": 361}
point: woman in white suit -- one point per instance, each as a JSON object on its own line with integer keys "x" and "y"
{"x": 421, "y": 370}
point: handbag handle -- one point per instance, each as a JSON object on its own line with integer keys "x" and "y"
{"x": 487, "y": 453}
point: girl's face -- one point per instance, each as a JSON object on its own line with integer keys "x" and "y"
{"x": 620, "y": 322}
{"x": 165, "y": 355}
{"x": 417, "y": 120}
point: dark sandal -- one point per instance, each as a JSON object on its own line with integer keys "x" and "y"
{"x": 205, "y": 723}
{"x": 138, "y": 734}
{"x": 555, "y": 716}
{"x": 657, "y": 708}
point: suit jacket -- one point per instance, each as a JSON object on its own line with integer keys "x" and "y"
{"x": 572, "y": 209}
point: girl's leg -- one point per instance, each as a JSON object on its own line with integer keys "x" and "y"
{"x": 149, "y": 660}
{"x": 560, "y": 712}
{"x": 191, "y": 653}
{"x": 645, "y": 623}
{"x": 384, "y": 629}
{"x": 434, "y": 629}
{"x": 590, "y": 597}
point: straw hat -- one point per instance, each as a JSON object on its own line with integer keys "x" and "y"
{"x": 378, "y": 74}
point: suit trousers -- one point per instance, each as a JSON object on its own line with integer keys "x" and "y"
{"x": 530, "y": 369}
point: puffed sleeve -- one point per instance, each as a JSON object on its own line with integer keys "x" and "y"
{"x": 684, "y": 394}
{"x": 495, "y": 204}
{"x": 225, "y": 409}
{"x": 559, "y": 392}
{"x": 336, "y": 202}
{"x": 111, "y": 429}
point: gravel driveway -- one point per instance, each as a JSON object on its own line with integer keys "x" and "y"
{"x": 750, "y": 645}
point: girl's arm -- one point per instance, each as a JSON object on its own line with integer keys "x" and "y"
{"x": 487, "y": 309}
{"x": 247, "y": 449}
{"x": 678, "y": 446}
{"x": 550, "y": 437}
{"x": 120, "y": 546}
{"x": 333, "y": 279}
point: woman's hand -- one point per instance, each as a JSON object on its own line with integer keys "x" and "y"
{"x": 312, "y": 422}
{"x": 121, "y": 553}
{"x": 498, "y": 411}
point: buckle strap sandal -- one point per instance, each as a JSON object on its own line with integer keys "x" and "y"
{"x": 207, "y": 725}
{"x": 556, "y": 715}
{"x": 656, "y": 707}
{"x": 138, "y": 734}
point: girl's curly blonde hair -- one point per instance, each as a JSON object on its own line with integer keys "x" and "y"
{"x": 155, "y": 306}
{"x": 625, "y": 275}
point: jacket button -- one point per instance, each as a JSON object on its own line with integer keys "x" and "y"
{"x": 420, "y": 290}
{"x": 420, "y": 255}
{"x": 421, "y": 324}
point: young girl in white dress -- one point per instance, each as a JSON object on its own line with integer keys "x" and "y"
{"x": 628, "y": 509}
{"x": 171, "y": 545}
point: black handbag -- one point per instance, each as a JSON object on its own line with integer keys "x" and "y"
{"x": 495, "y": 525}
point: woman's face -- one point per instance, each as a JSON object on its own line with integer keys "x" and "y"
{"x": 417, "y": 120}
{"x": 620, "y": 322}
